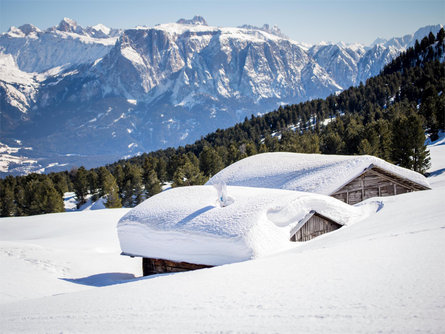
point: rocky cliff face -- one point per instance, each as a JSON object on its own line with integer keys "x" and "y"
{"x": 162, "y": 86}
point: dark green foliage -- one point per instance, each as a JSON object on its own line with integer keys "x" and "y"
{"x": 8, "y": 207}
{"x": 93, "y": 184}
{"x": 42, "y": 197}
{"x": 119, "y": 176}
{"x": 109, "y": 189}
{"x": 408, "y": 146}
{"x": 60, "y": 181}
{"x": 131, "y": 191}
{"x": 188, "y": 174}
{"x": 210, "y": 162}
{"x": 152, "y": 184}
{"x": 332, "y": 143}
{"x": 80, "y": 185}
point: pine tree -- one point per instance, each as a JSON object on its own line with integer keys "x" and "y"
{"x": 210, "y": 162}
{"x": 187, "y": 175}
{"x": 80, "y": 185}
{"x": 233, "y": 154}
{"x": 8, "y": 207}
{"x": 409, "y": 148}
{"x": 250, "y": 149}
{"x": 383, "y": 128}
{"x": 132, "y": 193}
{"x": 161, "y": 169}
{"x": 332, "y": 143}
{"x": 41, "y": 196}
{"x": 152, "y": 185}
{"x": 60, "y": 182}
{"x": 93, "y": 184}
{"x": 310, "y": 143}
{"x": 365, "y": 147}
{"x": 111, "y": 191}
{"x": 108, "y": 188}
{"x": 118, "y": 174}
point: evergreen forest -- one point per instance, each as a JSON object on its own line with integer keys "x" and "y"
{"x": 388, "y": 117}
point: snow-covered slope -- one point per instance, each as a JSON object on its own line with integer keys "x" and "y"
{"x": 62, "y": 273}
{"x": 59, "y": 253}
{"x": 104, "y": 97}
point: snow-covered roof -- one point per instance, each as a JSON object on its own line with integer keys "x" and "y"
{"x": 188, "y": 224}
{"x": 316, "y": 173}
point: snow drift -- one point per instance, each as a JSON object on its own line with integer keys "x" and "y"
{"x": 189, "y": 224}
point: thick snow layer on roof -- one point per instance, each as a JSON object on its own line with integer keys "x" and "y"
{"x": 317, "y": 173}
{"x": 188, "y": 224}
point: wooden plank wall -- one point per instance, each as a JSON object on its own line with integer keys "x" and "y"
{"x": 370, "y": 184}
{"x": 314, "y": 227}
{"x": 152, "y": 266}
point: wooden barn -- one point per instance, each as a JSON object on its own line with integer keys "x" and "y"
{"x": 188, "y": 228}
{"x": 350, "y": 179}
{"x": 313, "y": 225}
{"x": 375, "y": 182}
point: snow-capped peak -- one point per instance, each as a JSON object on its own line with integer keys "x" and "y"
{"x": 23, "y": 31}
{"x": 378, "y": 40}
{"x": 271, "y": 30}
{"x": 29, "y": 29}
{"x": 68, "y": 25}
{"x": 196, "y": 20}
{"x": 102, "y": 28}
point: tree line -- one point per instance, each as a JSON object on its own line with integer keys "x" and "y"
{"x": 386, "y": 117}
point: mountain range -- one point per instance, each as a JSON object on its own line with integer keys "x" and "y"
{"x": 72, "y": 96}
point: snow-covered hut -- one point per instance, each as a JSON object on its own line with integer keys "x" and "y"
{"x": 350, "y": 179}
{"x": 195, "y": 227}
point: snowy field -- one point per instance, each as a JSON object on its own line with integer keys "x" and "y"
{"x": 385, "y": 273}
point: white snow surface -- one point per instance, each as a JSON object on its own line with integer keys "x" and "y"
{"x": 317, "y": 173}
{"x": 385, "y": 273}
{"x": 188, "y": 224}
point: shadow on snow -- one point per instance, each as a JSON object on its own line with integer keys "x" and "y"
{"x": 106, "y": 279}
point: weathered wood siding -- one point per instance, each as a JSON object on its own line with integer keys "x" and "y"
{"x": 315, "y": 226}
{"x": 158, "y": 266}
{"x": 370, "y": 184}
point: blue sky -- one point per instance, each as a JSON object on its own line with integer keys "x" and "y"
{"x": 302, "y": 20}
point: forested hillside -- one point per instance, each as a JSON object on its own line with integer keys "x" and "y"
{"x": 386, "y": 117}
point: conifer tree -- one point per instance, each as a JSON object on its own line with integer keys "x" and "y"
{"x": 108, "y": 188}
{"x": 132, "y": 189}
{"x": 118, "y": 174}
{"x": 250, "y": 149}
{"x": 210, "y": 162}
{"x": 60, "y": 182}
{"x": 187, "y": 175}
{"x": 152, "y": 184}
{"x": 110, "y": 191}
{"x": 8, "y": 207}
{"x": 310, "y": 143}
{"x": 332, "y": 143}
{"x": 365, "y": 147}
{"x": 42, "y": 197}
{"x": 80, "y": 185}
{"x": 233, "y": 154}
{"x": 409, "y": 148}
{"x": 93, "y": 184}
{"x": 161, "y": 169}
